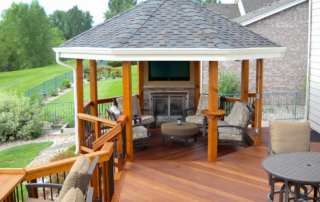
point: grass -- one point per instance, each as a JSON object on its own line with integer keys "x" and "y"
{"x": 20, "y": 81}
{"x": 21, "y": 156}
{"x": 106, "y": 88}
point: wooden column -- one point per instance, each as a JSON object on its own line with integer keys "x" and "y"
{"x": 197, "y": 79}
{"x": 213, "y": 107}
{"x": 140, "y": 83}
{"x": 127, "y": 106}
{"x": 245, "y": 80}
{"x": 93, "y": 87}
{"x": 79, "y": 69}
{"x": 259, "y": 89}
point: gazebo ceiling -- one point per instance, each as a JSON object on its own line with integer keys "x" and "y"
{"x": 169, "y": 30}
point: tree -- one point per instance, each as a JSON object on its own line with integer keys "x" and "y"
{"x": 26, "y": 34}
{"x": 76, "y": 22}
{"x": 205, "y": 2}
{"x": 57, "y": 37}
{"x": 118, "y": 6}
{"x": 57, "y": 19}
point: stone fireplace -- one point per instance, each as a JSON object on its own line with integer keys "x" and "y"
{"x": 169, "y": 102}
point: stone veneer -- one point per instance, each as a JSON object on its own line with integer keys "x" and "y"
{"x": 148, "y": 89}
{"x": 289, "y": 28}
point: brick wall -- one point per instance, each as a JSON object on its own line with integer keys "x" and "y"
{"x": 289, "y": 28}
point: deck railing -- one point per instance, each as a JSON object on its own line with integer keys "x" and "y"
{"x": 56, "y": 172}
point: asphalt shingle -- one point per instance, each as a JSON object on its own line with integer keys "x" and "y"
{"x": 169, "y": 24}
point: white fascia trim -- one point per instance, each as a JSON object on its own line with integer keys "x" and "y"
{"x": 241, "y": 8}
{"x": 271, "y": 12}
{"x": 169, "y": 54}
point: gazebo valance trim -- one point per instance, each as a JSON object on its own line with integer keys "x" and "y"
{"x": 163, "y": 54}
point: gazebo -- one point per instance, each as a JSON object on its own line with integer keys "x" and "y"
{"x": 163, "y": 30}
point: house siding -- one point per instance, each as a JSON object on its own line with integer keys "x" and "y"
{"x": 314, "y": 79}
{"x": 289, "y": 28}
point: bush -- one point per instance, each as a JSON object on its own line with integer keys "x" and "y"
{"x": 229, "y": 83}
{"x": 66, "y": 83}
{"x": 19, "y": 117}
{"x": 54, "y": 92}
{"x": 114, "y": 63}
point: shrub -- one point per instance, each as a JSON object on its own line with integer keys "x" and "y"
{"x": 54, "y": 92}
{"x": 19, "y": 117}
{"x": 229, "y": 83}
{"x": 114, "y": 63}
{"x": 113, "y": 74}
{"x": 66, "y": 83}
{"x": 87, "y": 77}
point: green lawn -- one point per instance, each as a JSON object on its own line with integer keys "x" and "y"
{"x": 106, "y": 88}
{"x": 21, "y": 156}
{"x": 20, "y": 81}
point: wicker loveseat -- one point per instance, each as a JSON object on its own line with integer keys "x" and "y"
{"x": 232, "y": 131}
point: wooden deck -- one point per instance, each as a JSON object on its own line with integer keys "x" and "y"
{"x": 175, "y": 173}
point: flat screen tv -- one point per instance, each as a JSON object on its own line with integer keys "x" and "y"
{"x": 169, "y": 71}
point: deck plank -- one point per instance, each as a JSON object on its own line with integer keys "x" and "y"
{"x": 175, "y": 173}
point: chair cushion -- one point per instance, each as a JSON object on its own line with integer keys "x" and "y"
{"x": 115, "y": 110}
{"x": 139, "y": 132}
{"x": 227, "y": 133}
{"x": 289, "y": 136}
{"x": 73, "y": 195}
{"x": 197, "y": 119}
{"x": 203, "y": 103}
{"x": 238, "y": 116}
{"x": 136, "y": 110}
{"x": 76, "y": 176}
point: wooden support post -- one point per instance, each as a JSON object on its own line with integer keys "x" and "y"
{"x": 127, "y": 106}
{"x": 79, "y": 69}
{"x": 245, "y": 81}
{"x": 213, "y": 107}
{"x": 93, "y": 87}
{"x": 258, "y": 104}
{"x": 197, "y": 79}
{"x": 140, "y": 84}
{"x": 34, "y": 190}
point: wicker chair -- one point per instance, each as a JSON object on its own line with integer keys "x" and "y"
{"x": 287, "y": 137}
{"x": 138, "y": 118}
{"x": 232, "y": 131}
{"x": 198, "y": 118}
{"x": 141, "y": 134}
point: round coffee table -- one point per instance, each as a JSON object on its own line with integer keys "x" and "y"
{"x": 175, "y": 131}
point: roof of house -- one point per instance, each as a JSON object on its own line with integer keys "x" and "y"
{"x": 229, "y": 10}
{"x": 251, "y": 5}
{"x": 169, "y": 24}
{"x": 266, "y": 11}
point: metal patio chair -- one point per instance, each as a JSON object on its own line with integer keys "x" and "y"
{"x": 287, "y": 137}
{"x": 232, "y": 131}
{"x": 79, "y": 177}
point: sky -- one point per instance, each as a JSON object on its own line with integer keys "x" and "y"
{"x": 96, "y": 7}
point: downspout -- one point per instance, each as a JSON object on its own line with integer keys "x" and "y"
{"x": 75, "y": 99}
{"x": 306, "y": 111}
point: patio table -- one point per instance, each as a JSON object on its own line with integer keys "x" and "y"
{"x": 297, "y": 167}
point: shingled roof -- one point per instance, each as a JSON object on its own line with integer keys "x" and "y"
{"x": 169, "y": 24}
